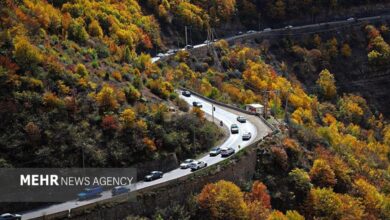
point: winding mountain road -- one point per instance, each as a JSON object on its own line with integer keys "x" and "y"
{"x": 229, "y": 116}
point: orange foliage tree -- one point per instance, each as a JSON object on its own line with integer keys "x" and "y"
{"x": 223, "y": 200}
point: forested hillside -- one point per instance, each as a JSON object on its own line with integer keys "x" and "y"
{"x": 76, "y": 79}
{"x": 73, "y": 82}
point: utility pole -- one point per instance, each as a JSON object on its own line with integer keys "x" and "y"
{"x": 185, "y": 29}
{"x": 286, "y": 107}
{"x": 213, "y": 110}
{"x": 266, "y": 104}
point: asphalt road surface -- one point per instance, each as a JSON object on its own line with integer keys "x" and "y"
{"x": 228, "y": 117}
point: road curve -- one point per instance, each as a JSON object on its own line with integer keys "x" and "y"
{"x": 228, "y": 116}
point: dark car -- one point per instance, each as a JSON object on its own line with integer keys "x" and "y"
{"x": 241, "y": 119}
{"x": 9, "y": 216}
{"x": 154, "y": 175}
{"x": 197, "y": 104}
{"x": 120, "y": 190}
{"x": 225, "y": 152}
{"x": 90, "y": 192}
{"x": 215, "y": 151}
{"x": 186, "y": 93}
{"x": 234, "y": 129}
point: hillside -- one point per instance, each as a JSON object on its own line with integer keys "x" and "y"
{"x": 77, "y": 82}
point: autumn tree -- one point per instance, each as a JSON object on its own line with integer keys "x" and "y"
{"x": 25, "y": 53}
{"x": 106, "y": 98}
{"x": 326, "y": 83}
{"x": 198, "y": 113}
{"x": 77, "y": 32}
{"x": 109, "y": 122}
{"x": 33, "y": 132}
{"x": 324, "y": 203}
{"x": 81, "y": 70}
{"x": 128, "y": 117}
{"x": 321, "y": 174}
{"x": 277, "y": 215}
{"x": 300, "y": 182}
{"x": 346, "y": 50}
{"x": 372, "y": 199}
{"x": 94, "y": 29}
{"x": 223, "y": 200}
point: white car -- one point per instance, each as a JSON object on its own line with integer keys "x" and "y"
{"x": 186, "y": 163}
{"x": 160, "y": 55}
{"x": 196, "y": 165}
{"x": 9, "y": 216}
{"x": 225, "y": 152}
{"x": 251, "y": 32}
{"x": 267, "y": 29}
{"x": 206, "y": 42}
{"x": 246, "y": 136}
{"x": 351, "y": 19}
{"x": 288, "y": 27}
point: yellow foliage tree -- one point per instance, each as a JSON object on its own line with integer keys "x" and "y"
{"x": 321, "y": 174}
{"x": 25, "y": 53}
{"x": 94, "y": 29}
{"x": 223, "y": 200}
{"x": 327, "y": 85}
{"x": 106, "y": 98}
{"x": 128, "y": 117}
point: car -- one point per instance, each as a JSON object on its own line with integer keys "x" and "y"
{"x": 267, "y": 29}
{"x": 171, "y": 51}
{"x": 196, "y": 165}
{"x": 186, "y": 163}
{"x": 225, "y": 152}
{"x": 154, "y": 175}
{"x": 9, "y": 216}
{"x": 215, "y": 151}
{"x": 246, "y": 136}
{"x": 90, "y": 192}
{"x": 241, "y": 119}
{"x": 119, "y": 190}
{"x": 197, "y": 104}
{"x": 186, "y": 93}
{"x": 239, "y": 33}
{"x": 251, "y": 32}
{"x": 351, "y": 19}
{"x": 234, "y": 129}
{"x": 160, "y": 55}
{"x": 288, "y": 27}
{"x": 215, "y": 40}
{"x": 189, "y": 46}
{"x": 207, "y": 42}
